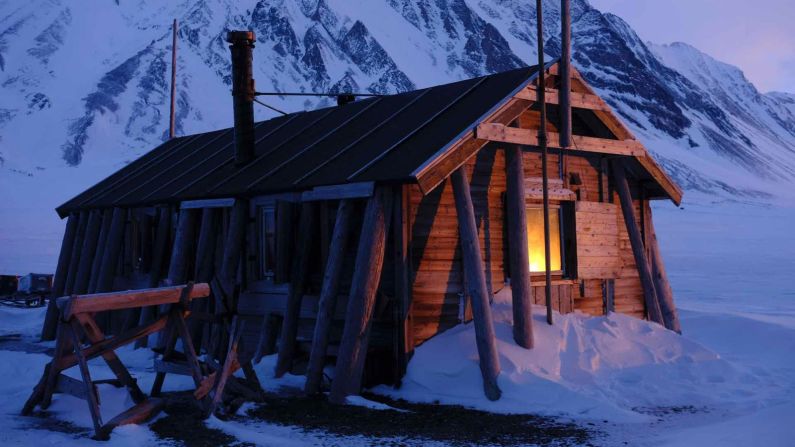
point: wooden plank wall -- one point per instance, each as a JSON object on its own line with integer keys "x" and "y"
{"x": 436, "y": 276}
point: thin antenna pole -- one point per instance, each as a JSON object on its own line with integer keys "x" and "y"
{"x": 172, "y": 121}
{"x": 542, "y": 142}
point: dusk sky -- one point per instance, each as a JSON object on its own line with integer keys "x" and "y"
{"x": 757, "y": 36}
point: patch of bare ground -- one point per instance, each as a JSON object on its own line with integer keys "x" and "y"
{"x": 412, "y": 422}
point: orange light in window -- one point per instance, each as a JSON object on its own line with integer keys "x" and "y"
{"x": 535, "y": 239}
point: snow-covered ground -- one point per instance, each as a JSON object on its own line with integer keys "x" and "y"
{"x": 729, "y": 380}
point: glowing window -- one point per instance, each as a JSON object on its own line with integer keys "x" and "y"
{"x": 535, "y": 238}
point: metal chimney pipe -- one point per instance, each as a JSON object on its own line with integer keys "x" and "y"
{"x": 565, "y": 74}
{"x": 243, "y": 93}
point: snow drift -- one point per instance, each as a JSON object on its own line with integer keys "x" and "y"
{"x": 614, "y": 367}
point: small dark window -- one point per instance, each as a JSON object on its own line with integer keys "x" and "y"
{"x": 267, "y": 241}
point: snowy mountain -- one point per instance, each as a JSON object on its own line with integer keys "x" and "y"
{"x": 84, "y": 89}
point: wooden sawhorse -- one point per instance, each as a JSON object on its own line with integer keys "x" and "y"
{"x": 77, "y": 320}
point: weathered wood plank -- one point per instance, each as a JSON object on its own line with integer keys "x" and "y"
{"x": 578, "y": 100}
{"x": 529, "y": 137}
{"x": 132, "y": 298}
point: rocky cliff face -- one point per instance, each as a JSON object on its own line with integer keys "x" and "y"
{"x": 88, "y": 86}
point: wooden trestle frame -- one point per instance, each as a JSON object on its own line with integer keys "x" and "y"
{"x": 77, "y": 324}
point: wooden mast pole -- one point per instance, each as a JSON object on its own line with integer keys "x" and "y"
{"x": 172, "y": 116}
{"x": 542, "y": 142}
{"x": 475, "y": 281}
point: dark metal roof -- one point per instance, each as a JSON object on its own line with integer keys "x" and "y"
{"x": 381, "y": 139}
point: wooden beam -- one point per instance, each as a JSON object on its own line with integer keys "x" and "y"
{"x": 448, "y": 159}
{"x": 337, "y": 192}
{"x": 475, "y": 281}
{"x": 578, "y": 100}
{"x": 328, "y": 296}
{"x": 644, "y": 270}
{"x": 299, "y": 275}
{"x": 361, "y": 301}
{"x": 207, "y": 203}
{"x": 51, "y": 317}
{"x": 529, "y": 137}
{"x": 129, "y": 299}
{"x": 663, "y": 288}
{"x": 519, "y": 259}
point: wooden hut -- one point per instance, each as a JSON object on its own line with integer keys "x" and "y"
{"x": 357, "y": 232}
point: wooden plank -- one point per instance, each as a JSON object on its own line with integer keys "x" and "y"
{"x": 529, "y": 137}
{"x": 338, "y": 192}
{"x": 207, "y": 203}
{"x": 641, "y": 262}
{"x": 361, "y": 302}
{"x": 328, "y": 296}
{"x": 138, "y": 414}
{"x": 476, "y": 286}
{"x": 129, "y": 299}
{"x": 297, "y": 283}
{"x": 91, "y": 392}
{"x": 578, "y": 100}
{"x": 519, "y": 257}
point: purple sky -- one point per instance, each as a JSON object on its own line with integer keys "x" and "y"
{"x": 758, "y": 36}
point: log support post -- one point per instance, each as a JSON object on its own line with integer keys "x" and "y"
{"x": 328, "y": 296}
{"x": 361, "y": 301}
{"x": 521, "y": 289}
{"x": 88, "y": 252}
{"x": 636, "y": 240}
{"x": 77, "y": 252}
{"x": 107, "y": 218}
{"x": 51, "y": 318}
{"x": 663, "y": 288}
{"x": 180, "y": 253}
{"x": 475, "y": 280}
{"x": 162, "y": 233}
{"x": 297, "y": 283}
